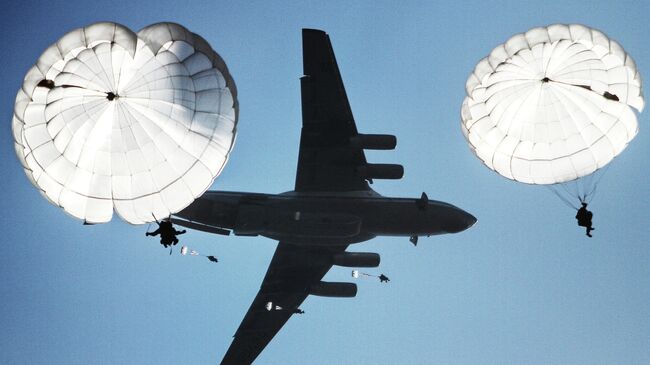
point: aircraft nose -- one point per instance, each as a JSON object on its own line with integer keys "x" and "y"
{"x": 458, "y": 220}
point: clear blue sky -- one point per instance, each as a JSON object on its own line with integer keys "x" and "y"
{"x": 522, "y": 286}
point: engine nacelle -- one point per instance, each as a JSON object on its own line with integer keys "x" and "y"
{"x": 356, "y": 259}
{"x": 334, "y": 290}
{"x": 381, "y": 171}
{"x": 374, "y": 141}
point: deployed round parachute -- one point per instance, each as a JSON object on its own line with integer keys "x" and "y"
{"x": 552, "y": 105}
{"x": 269, "y": 307}
{"x": 140, "y": 123}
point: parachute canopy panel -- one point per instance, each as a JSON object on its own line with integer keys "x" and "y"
{"x": 141, "y": 124}
{"x": 552, "y": 105}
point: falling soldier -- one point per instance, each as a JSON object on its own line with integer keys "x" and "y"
{"x": 584, "y": 218}
{"x": 167, "y": 233}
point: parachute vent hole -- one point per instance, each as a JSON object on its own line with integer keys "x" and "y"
{"x": 546, "y": 79}
{"x": 111, "y": 96}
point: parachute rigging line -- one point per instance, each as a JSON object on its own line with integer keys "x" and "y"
{"x": 552, "y": 188}
{"x": 592, "y": 193}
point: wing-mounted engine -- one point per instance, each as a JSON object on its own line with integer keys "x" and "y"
{"x": 356, "y": 259}
{"x": 370, "y": 171}
{"x": 334, "y": 289}
{"x": 374, "y": 141}
{"x": 380, "y": 171}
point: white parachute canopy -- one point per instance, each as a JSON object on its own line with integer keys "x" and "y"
{"x": 269, "y": 307}
{"x": 185, "y": 250}
{"x": 141, "y": 123}
{"x": 552, "y": 105}
{"x": 358, "y": 274}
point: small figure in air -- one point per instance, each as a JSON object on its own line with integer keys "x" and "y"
{"x": 584, "y": 218}
{"x": 167, "y": 233}
{"x": 383, "y": 278}
{"x": 298, "y": 311}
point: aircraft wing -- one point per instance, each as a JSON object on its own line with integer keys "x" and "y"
{"x": 292, "y": 274}
{"x": 327, "y": 160}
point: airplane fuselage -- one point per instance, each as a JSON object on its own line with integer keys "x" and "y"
{"x": 325, "y": 218}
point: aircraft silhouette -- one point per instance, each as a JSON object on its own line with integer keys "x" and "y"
{"x": 331, "y": 207}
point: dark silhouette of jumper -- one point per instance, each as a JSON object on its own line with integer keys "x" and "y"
{"x": 167, "y": 233}
{"x": 383, "y": 278}
{"x": 584, "y": 218}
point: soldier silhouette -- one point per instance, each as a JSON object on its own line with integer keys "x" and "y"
{"x": 167, "y": 233}
{"x": 584, "y": 218}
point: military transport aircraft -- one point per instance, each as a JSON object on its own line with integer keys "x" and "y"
{"x": 331, "y": 207}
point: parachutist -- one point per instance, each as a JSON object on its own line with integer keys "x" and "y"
{"x": 167, "y": 233}
{"x": 486, "y": 87}
{"x": 383, "y": 278}
{"x": 584, "y": 218}
{"x": 298, "y": 311}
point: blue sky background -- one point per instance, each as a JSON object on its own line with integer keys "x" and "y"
{"x": 522, "y": 286}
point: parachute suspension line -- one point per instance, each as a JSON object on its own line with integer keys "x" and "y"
{"x": 565, "y": 186}
{"x": 572, "y": 190}
{"x": 592, "y": 193}
{"x": 566, "y": 201}
{"x": 149, "y": 225}
{"x": 583, "y": 189}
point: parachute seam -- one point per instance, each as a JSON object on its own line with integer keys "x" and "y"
{"x": 190, "y": 131}
{"x": 74, "y": 132}
{"x": 588, "y": 146}
{"x": 99, "y": 101}
{"x": 605, "y": 133}
{"x": 79, "y": 61}
{"x": 566, "y": 58}
{"x": 119, "y": 74}
{"x": 86, "y": 87}
{"x": 565, "y": 134}
{"x": 153, "y": 142}
{"x": 508, "y": 131}
{"x": 110, "y": 84}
